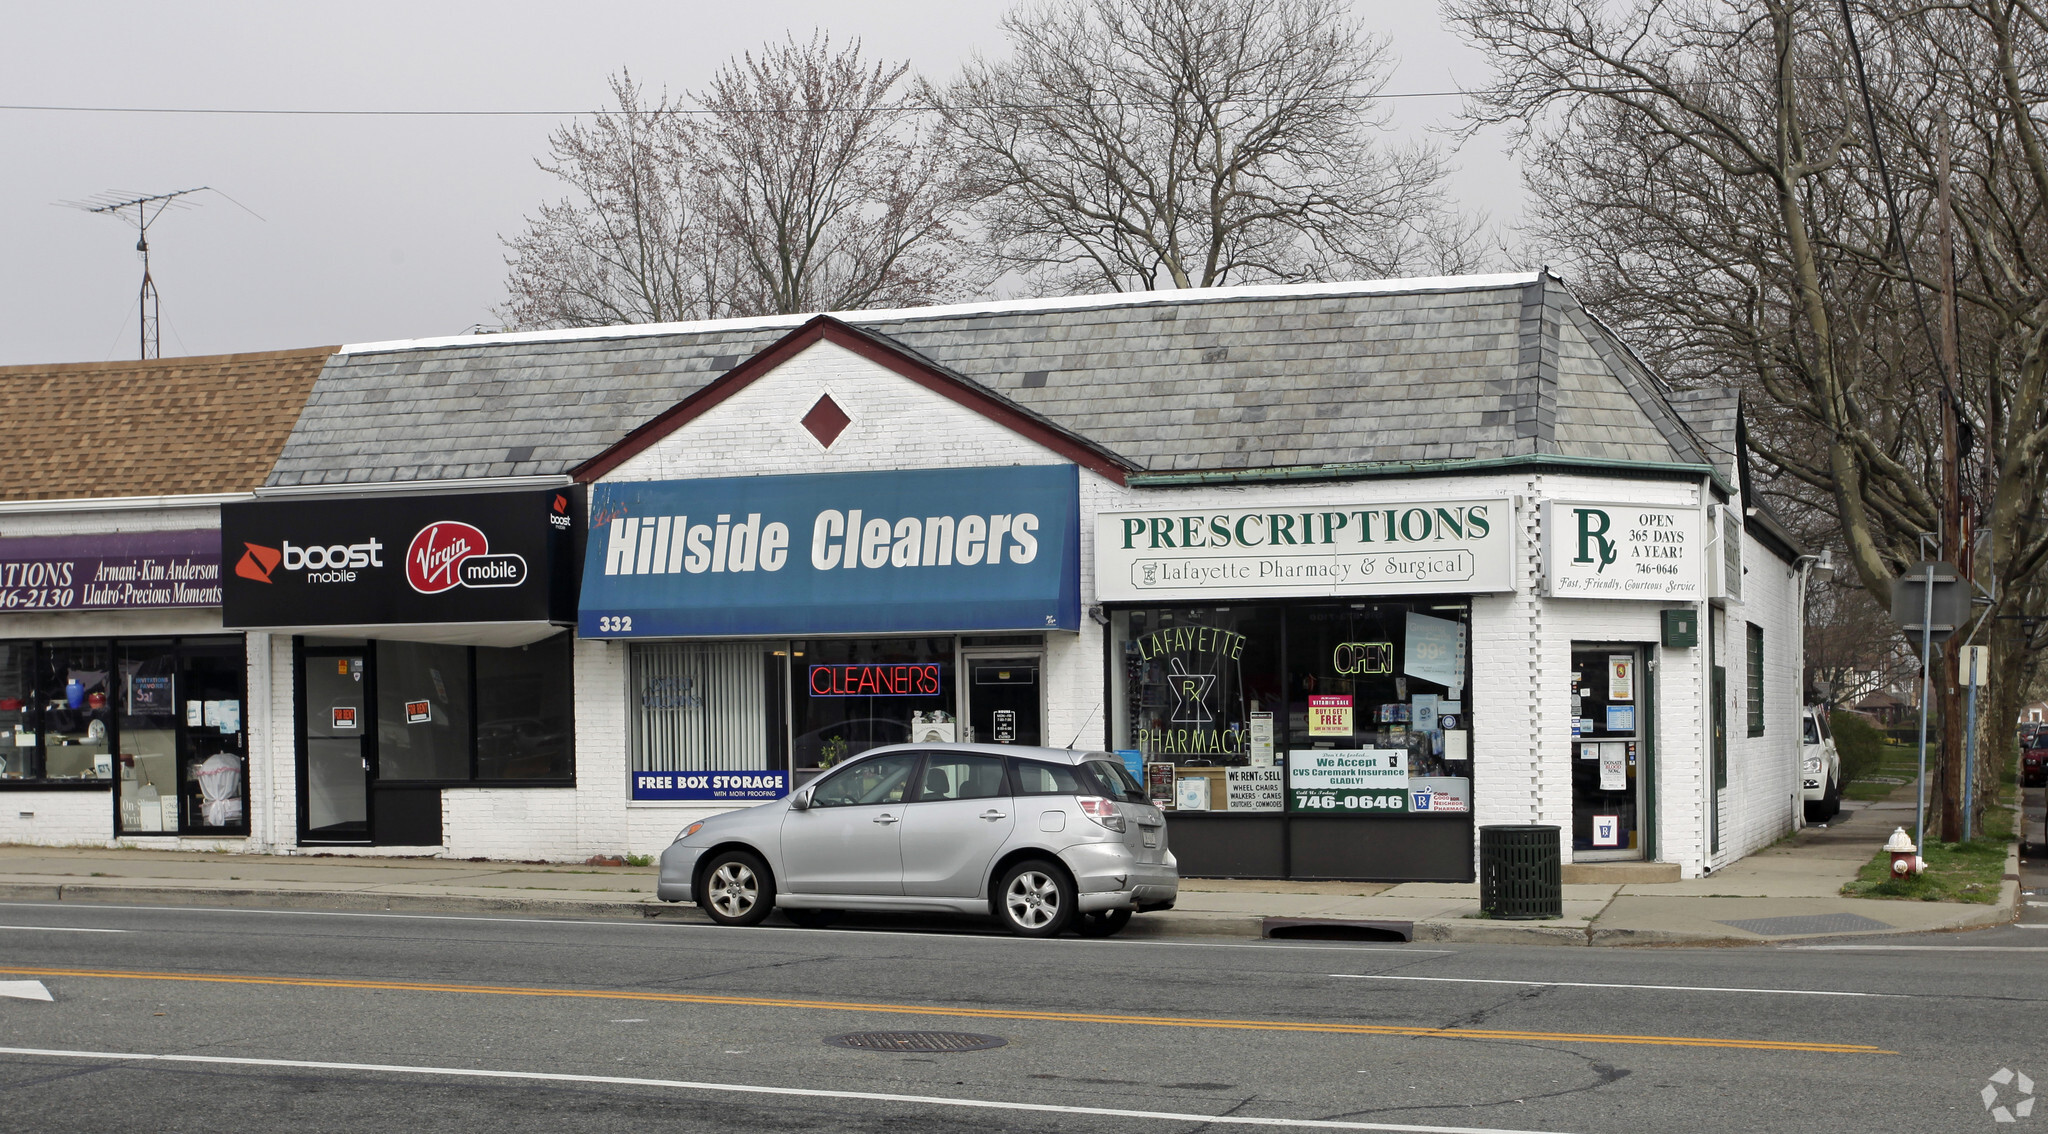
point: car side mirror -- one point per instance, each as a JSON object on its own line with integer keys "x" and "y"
{"x": 801, "y": 801}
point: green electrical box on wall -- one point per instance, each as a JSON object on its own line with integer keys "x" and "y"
{"x": 1682, "y": 628}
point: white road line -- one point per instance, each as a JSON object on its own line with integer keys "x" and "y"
{"x": 24, "y": 990}
{"x": 61, "y": 929}
{"x": 751, "y": 1089}
{"x": 996, "y": 938}
{"x": 1921, "y": 948}
{"x": 1647, "y": 987}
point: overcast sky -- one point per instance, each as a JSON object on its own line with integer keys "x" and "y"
{"x": 384, "y": 227}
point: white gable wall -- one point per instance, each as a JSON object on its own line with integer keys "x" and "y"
{"x": 897, "y": 424}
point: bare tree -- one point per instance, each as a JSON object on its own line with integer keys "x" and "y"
{"x": 801, "y": 181}
{"x": 821, "y": 188}
{"x": 1711, "y": 167}
{"x": 1136, "y": 144}
{"x": 622, "y": 249}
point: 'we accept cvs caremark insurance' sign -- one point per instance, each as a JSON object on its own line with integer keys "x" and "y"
{"x": 925, "y": 550}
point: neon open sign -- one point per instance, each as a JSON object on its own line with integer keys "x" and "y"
{"x": 920, "y": 680}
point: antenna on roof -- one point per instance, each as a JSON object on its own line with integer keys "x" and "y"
{"x": 113, "y": 204}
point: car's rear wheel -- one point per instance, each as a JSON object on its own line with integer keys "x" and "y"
{"x": 1104, "y": 924}
{"x": 737, "y": 889}
{"x": 1035, "y": 899}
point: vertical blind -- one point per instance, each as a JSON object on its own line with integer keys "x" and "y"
{"x": 699, "y": 707}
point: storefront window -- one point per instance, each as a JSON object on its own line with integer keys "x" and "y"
{"x": 1299, "y": 706}
{"x": 423, "y": 711}
{"x": 851, "y": 695}
{"x": 18, "y": 749}
{"x": 524, "y": 721}
{"x": 782, "y": 710}
{"x": 158, "y": 719}
{"x": 468, "y": 714}
{"x": 706, "y": 706}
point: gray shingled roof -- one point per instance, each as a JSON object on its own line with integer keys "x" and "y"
{"x": 1449, "y": 369}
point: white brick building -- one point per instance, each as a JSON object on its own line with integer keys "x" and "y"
{"x": 1282, "y": 453}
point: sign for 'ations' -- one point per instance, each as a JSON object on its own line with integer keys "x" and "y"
{"x": 1360, "y": 548}
{"x": 1623, "y": 551}
{"x": 111, "y": 571}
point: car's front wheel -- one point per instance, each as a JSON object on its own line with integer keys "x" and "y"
{"x": 737, "y": 889}
{"x": 1035, "y": 899}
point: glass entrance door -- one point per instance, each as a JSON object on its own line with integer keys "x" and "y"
{"x": 1609, "y": 749}
{"x": 1003, "y": 699}
{"x": 336, "y": 770}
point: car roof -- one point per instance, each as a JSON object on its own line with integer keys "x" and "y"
{"x": 1060, "y": 755}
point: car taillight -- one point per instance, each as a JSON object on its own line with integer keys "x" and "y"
{"x": 1103, "y": 811}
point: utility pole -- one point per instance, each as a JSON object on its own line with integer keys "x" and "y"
{"x": 1955, "y": 526}
{"x": 145, "y": 215}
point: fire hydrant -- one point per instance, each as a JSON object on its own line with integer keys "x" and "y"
{"x": 1905, "y": 856}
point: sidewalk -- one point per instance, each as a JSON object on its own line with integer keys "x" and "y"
{"x": 1786, "y": 892}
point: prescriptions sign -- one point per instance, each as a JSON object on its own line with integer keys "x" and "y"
{"x": 1364, "y": 547}
{"x": 910, "y": 551}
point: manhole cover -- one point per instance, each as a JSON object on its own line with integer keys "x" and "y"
{"x": 1809, "y": 924}
{"x": 916, "y": 1041}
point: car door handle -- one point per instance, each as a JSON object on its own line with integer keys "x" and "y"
{"x": 885, "y": 819}
{"x": 992, "y": 815}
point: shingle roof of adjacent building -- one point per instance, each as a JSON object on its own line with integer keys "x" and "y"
{"x": 172, "y": 426}
{"x": 1446, "y": 369}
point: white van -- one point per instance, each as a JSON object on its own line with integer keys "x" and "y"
{"x": 1820, "y": 766}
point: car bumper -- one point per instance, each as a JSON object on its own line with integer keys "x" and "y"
{"x": 1108, "y": 877}
{"x": 1811, "y": 788}
{"x": 678, "y": 867}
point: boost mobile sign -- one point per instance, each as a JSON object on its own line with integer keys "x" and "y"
{"x": 1623, "y": 551}
{"x": 931, "y": 550}
{"x": 1360, "y": 548}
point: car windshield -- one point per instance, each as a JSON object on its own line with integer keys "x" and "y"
{"x": 1812, "y": 731}
{"x": 1113, "y": 780}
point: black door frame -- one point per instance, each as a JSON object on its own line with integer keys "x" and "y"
{"x": 368, "y": 724}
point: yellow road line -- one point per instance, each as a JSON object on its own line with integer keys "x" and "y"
{"x": 966, "y": 1013}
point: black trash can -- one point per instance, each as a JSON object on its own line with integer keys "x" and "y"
{"x": 1521, "y": 872}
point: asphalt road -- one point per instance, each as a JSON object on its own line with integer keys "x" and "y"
{"x": 381, "y": 1022}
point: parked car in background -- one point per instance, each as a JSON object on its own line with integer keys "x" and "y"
{"x": 2034, "y": 764}
{"x": 1820, "y": 766}
{"x": 1042, "y": 839}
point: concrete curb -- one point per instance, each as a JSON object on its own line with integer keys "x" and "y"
{"x": 1468, "y": 931}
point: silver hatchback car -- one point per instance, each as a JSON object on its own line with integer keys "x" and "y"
{"x": 1043, "y": 839}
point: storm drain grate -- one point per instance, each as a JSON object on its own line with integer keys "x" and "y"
{"x": 916, "y": 1041}
{"x": 1813, "y": 923}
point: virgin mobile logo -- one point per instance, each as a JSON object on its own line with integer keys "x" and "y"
{"x": 448, "y": 553}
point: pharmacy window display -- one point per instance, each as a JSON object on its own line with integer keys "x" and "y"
{"x": 1316, "y": 708}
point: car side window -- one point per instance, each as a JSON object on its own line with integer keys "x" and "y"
{"x": 961, "y": 775}
{"x": 1042, "y": 777}
{"x": 880, "y": 779}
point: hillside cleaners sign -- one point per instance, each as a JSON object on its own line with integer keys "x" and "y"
{"x": 1623, "y": 551}
{"x": 886, "y": 552}
{"x": 1364, "y": 547}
